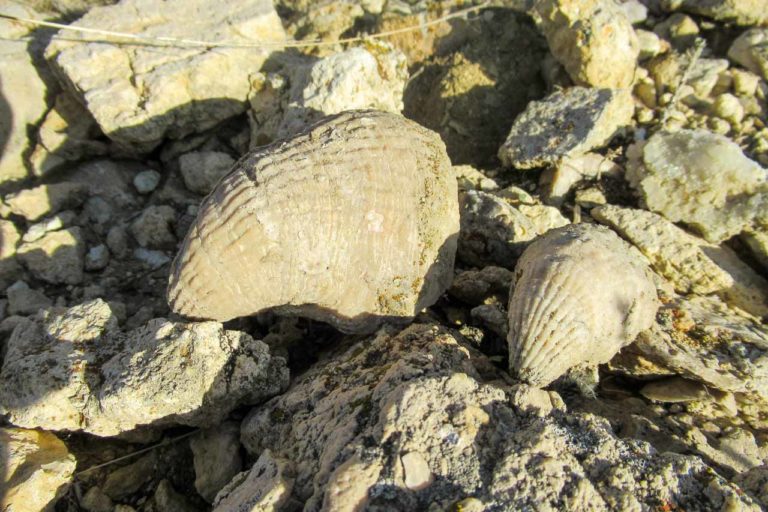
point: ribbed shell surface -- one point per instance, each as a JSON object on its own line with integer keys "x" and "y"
{"x": 580, "y": 295}
{"x": 351, "y": 222}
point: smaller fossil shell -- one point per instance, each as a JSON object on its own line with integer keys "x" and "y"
{"x": 580, "y": 295}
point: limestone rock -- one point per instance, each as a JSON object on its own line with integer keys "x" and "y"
{"x": 675, "y": 389}
{"x": 393, "y": 413}
{"x": 58, "y": 257}
{"x": 35, "y": 203}
{"x": 701, "y": 339}
{"x": 96, "y": 501}
{"x": 475, "y": 286}
{"x": 74, "y": 370}
{"x": 592, "y": 39}
{"x": 691, "y": 264}
{"x": 739, "y": 12}
{"x": 168, "y": 499}
{"x": 558, "y": 181}
{"x": 216, "y": 457}
{"x": 146, "y": 181}
{"x": 139, "y": 95}
{"x": 757, "y": 241}
{"x": 22, "y": 92}
{"x": 37, "y": 469}
{"x": 126, "y": 480}
{"x": 566, "y": 123}
{"x": 97, "y": 257}
{"x": 266, "y": 486}
{"x": 750, "y": 50}
{"x": 153, "y": 229}
{"x": 9, "y": 267}
{"x": 703, "y": 180}
{"x": 23, "y": 300}
{"x": 201, "y": 170}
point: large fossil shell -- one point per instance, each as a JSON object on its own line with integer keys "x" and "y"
{"x": 352, "y": 222}
{"x": 580, "y": 295}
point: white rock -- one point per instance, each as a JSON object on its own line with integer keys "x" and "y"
{"x": 74, "y": 370}
{"x": 750, "y": 50}
{"x": 266, "y": 486}
{"x": 57, "y": 258}
{"x": 23, "y": 300}
{"x": 691, "y": 264}
{"x": 703, "y": 180}
{"x": 566, "y": 123}
{"x": 37, "y": 469}
{"x": 22, "y": 90}
{"x": 592, "y": 39}
{"x": 146, "y": 181}
{"x": 139, "y": 95}
{"x": 634, "y": 10}
{"x": 216, "y": 457}
{"x": 202, "y": 170}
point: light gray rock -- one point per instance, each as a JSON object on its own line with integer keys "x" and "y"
{"x": 9, "y": 266}
{"x": 691, "y": 264}
{"x": 57, "y": 258}
{"x": 566, "y": 123}
{"x": 37, "y": 469}
{"x": 470, "y": 178}
{"x": 153, "y": 229}
{"x": 739, "y": 12}
{"x": 118, "y": 242}
{"x": 201, "y": 170}
{"x": 139, "y": 95}
{"x": 97, "y": 257}
{"x": 701, "y": 179}
{"x": 266, "y": 486}
{"x": 592, "y": 39}
{"x": 59, "y": 221}
{"x": 216, "y": 457}
{"x": 23, "y": 300}
{"x": 750, "y": 50}
{"x": 556, "y": 182}
{"x": 72, "y": 369}
{"x": 146, "y": 181}
{"x": 704, "y": 75}
{"x": 674, "y": 390}
{"x": 22, "y": 91}
{"x": 37, "y": 202}
{"x": 152, "y": 259}
{"x": 701, "y": 339}
{"x": 404, "y": 422}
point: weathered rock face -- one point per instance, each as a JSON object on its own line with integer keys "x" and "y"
{"x": 216, "y": 457}
{"x": 750, "y": 50}
{"x": 703, "y": 180}
{"x": 404, "y": 422}
{"x": 566, "y": 123}
{"x": 37, "y": 468}
{"x": 74, "y": 370}
{"x": 139, "y": 95}
{"x": 352, "y": 222}
{"x": 592, "y": 39}
{"x": 691, "y": 264}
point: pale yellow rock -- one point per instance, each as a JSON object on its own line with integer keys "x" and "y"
{"x": 34, "y": 203}
{"x": 37, "y": 468}
{"x": 593, "y": 39}
{"x": 57, "y": 258}
{"x": 349, "y": 485}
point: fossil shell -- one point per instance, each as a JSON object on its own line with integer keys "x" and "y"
{"x": 580, "y": 295}
{"x": 351, "y": 222}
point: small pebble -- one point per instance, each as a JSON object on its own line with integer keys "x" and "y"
{"x": 728, "y": 107}
{"x": 97, "y": 257}
{"x": 146, "y": 181}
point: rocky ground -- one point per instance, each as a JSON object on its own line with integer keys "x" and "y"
{"x": 645, "y": 116}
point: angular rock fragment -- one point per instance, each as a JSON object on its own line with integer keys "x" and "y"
{"x": 404, "y": 422}
{"x": 566, "y": 123}
{"x": 141, "y": 94}
{"x": 23, "y": 300}
{"x": 266, "y": 486}
{"x": 750, "y": 50}
{"x": 37, "y": 469}
{"x": 739, "y": 12}
{"x": 474, "y": 286}
{"x": 153, "y": 229}
{"x": 35, "y": 203}
{"x": 201, "y": 170}
{"x": 703, "y": 180}
{"x": 57, "y": 258}
{"x": 216, "y": 457}
{"x": 9, "y": 266}
{"x": 74, "y": 370}
{"x": 558, "y": 181}
{"x": 691, "y": 264}
{"x": 592, "y": 39}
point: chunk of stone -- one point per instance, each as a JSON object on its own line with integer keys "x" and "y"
{"x": 23, "y": 91}
{"x": 475, "y": 286}
{"x": 72, "y": 369}
{"x": 127, "y": 480}
{"x": 152, "y": 259}
{"x": 592, "y": 39}
{"x": 9, "y": 266}
{"x": 139, "y": 94}
{"x": 97, "y": 257}
{"x": 37, "y": 469}
{"x": 691, "y": 264}
{"x": 701, "y": 179}
{"x": 346, "y": 426}
{"x": 739, "y": 12}
{"x": 470, "y": 178}
{"x": 118, "y": 242}
{"x": 23, "y": 300}
{"x": 492, "y": 232}
{"x": 216, "y": 457}
{"x": 566, "y": 123}
{"x": 674, "y": 390}
{"x": 146, "y": 181}
{"x": 557, "y": 182}
{"x": 96, "y": 501}
{"x": 35, "y": 203}
{"x": 168, "y": 499}
{"x": 266, "y": 486}
{"x": 750, "y": 50}
{"x": 153, "y": 229}
{"x": 703, "y": 76}
{"x": 57, "y": 258}
{"x": 60, "y": 220}
{"x": 201, "y": 170}
{"x": 701, "y": 339}
{"x": 757, "y": 242}
{"x": 543, "y": 217}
